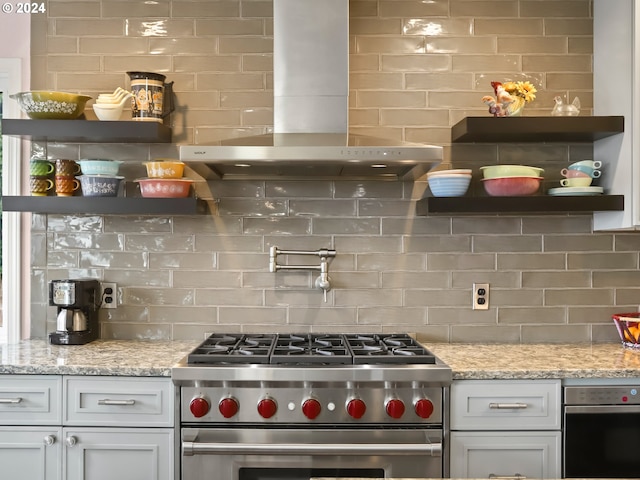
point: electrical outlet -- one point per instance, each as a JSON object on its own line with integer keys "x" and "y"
{"x": 109, "y": 295}
{"x": 480, "y": 296}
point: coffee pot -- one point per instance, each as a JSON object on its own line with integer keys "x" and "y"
{"x": 78, "y": 302}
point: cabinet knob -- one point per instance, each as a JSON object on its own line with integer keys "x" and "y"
{"x": 49, "y": 440}
{"x": 71, "y": 441}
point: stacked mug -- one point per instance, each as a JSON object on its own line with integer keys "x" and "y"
{"x": 40, "y": 173}
{"x": 65, "y": 179}
{"x": 581, "y": 174}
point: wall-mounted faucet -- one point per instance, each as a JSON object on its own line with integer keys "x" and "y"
{"x": 323, "y": 282}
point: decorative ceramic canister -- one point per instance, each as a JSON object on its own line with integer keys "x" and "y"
{"x": 151, "y": 99}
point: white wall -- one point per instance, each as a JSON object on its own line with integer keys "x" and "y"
{"x": 15, "y": 41}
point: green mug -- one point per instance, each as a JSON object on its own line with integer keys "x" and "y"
{"x": 41, "y": 168}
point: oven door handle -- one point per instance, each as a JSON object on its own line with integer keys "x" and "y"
{"x": 198, "y": 448}
{"x": 569, "y": 409}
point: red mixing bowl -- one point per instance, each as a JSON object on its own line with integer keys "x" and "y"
{"x": 511, "y": 186}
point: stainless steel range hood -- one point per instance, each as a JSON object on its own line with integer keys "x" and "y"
{"x": 311, "y": 95}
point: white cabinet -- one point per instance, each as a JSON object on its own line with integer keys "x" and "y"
{"x": 118, "y": 453}
{"x": 31, "y": 453}
{"x": 616, "y": 91}
{"x": 88, "y": 428}
{"x": 505, "y": 428}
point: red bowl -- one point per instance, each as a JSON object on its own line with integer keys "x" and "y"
{"x": 511, "y": 186}
{"x": 165, "y": 187}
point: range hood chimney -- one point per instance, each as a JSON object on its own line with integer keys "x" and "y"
{"x": 311, "y": 105}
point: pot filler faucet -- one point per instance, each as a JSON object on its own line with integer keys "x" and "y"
{"x": 323, "y": 282}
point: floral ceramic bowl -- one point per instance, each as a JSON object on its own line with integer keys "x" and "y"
{"x": 99, "y": 185}
{"x": 165, "y": 187}
{"x": 51, "y": 105}
{"x": 98, "y": 166}
{"x": 164, "y": 169}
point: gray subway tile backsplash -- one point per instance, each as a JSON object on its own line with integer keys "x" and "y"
{"x": 416, "y": 68}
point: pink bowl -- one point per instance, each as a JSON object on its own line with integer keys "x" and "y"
{"x": 511, "y": 186}
{"x": 165, "y": 187}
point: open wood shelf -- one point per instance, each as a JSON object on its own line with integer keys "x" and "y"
{"x": 538, "y": 204}
{"x": 88, "y": 131}
{"x": 104, "y": 205}
{"x": 535, "y": 129}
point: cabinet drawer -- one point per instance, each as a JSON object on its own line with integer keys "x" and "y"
{"x": 30, "y": 399}
{"x": 505, "y": 405}
{"x": 505, "y": 454}
{"x": 123, "y": 401}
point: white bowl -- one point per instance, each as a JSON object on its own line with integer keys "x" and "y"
{"x": 108, "y": 112}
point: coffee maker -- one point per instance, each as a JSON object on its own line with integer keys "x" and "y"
{"x": 78, "y": 302}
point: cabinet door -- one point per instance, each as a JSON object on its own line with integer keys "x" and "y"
{"x": 30, "y": 453}
{"x": 505, "y": 454}
{"x": 118, "y": 453}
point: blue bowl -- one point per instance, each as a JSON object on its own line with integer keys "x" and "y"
{"x": 445, "y": 186}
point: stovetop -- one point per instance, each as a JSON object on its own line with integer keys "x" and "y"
{"x": 310, "y": 349}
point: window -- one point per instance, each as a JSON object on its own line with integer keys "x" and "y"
{"x": 11, "y": 226}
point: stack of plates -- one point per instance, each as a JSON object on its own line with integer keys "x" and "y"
{"x": 571, "y": 191}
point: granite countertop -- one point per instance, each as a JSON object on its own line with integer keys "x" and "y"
{"x": 538, "y": 361}
{"x": 102, "y": 357}
{"x": 467, "y": 361}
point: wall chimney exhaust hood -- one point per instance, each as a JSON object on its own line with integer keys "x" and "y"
{"x": 311, "y": 93}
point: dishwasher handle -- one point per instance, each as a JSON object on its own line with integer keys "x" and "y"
{"x": 198, "y": 448}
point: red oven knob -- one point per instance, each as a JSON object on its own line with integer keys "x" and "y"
{"x": 199, "y": 407}
{"x": 311, "y": 408}
{"x": 356, "y": 408}
{"x": 395, "y": 408}
{"x": 267, "y": 407}
{"x": 228, "y": 407}
{"x": 424, "y": 408}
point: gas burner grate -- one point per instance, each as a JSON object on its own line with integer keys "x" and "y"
{"x": 228, "y": 348}
{"x": 311, "y": 349}
{"x": 390, "y": 348}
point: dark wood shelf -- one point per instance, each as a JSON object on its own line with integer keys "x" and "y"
{"x": 88, "y": 131}
{"x": 539, "y": 204}
{"x": 104, "y": 205}
{"x": 535, "y": 129}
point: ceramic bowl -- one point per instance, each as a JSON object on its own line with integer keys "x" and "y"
{"x": 164, "y": 169}
{"x": 503, "y": 171}
{"x": 108, "y": 112}
{"x": 454, "y": 185}
{"x": 511, "y": 186}
{"x": 51, "y": 105}
{"x": 97, "y": 166}
{"x": 165, "y": 187}
{"x": 455, "y": 171}
{"x": 99, "y": 185}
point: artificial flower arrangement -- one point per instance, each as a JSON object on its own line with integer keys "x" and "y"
{"x": 510, "y": 99}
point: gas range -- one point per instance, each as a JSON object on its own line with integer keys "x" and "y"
{"x": 311, "y": 378}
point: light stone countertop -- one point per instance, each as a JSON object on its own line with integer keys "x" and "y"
{"x": 467, "y": 361}
{"x": 538, "y": 361}
{"x": 101, "y": 357}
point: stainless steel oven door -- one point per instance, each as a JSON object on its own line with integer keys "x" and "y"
{"x": 284, "y": 453}
{"x": 601, "y": 441}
